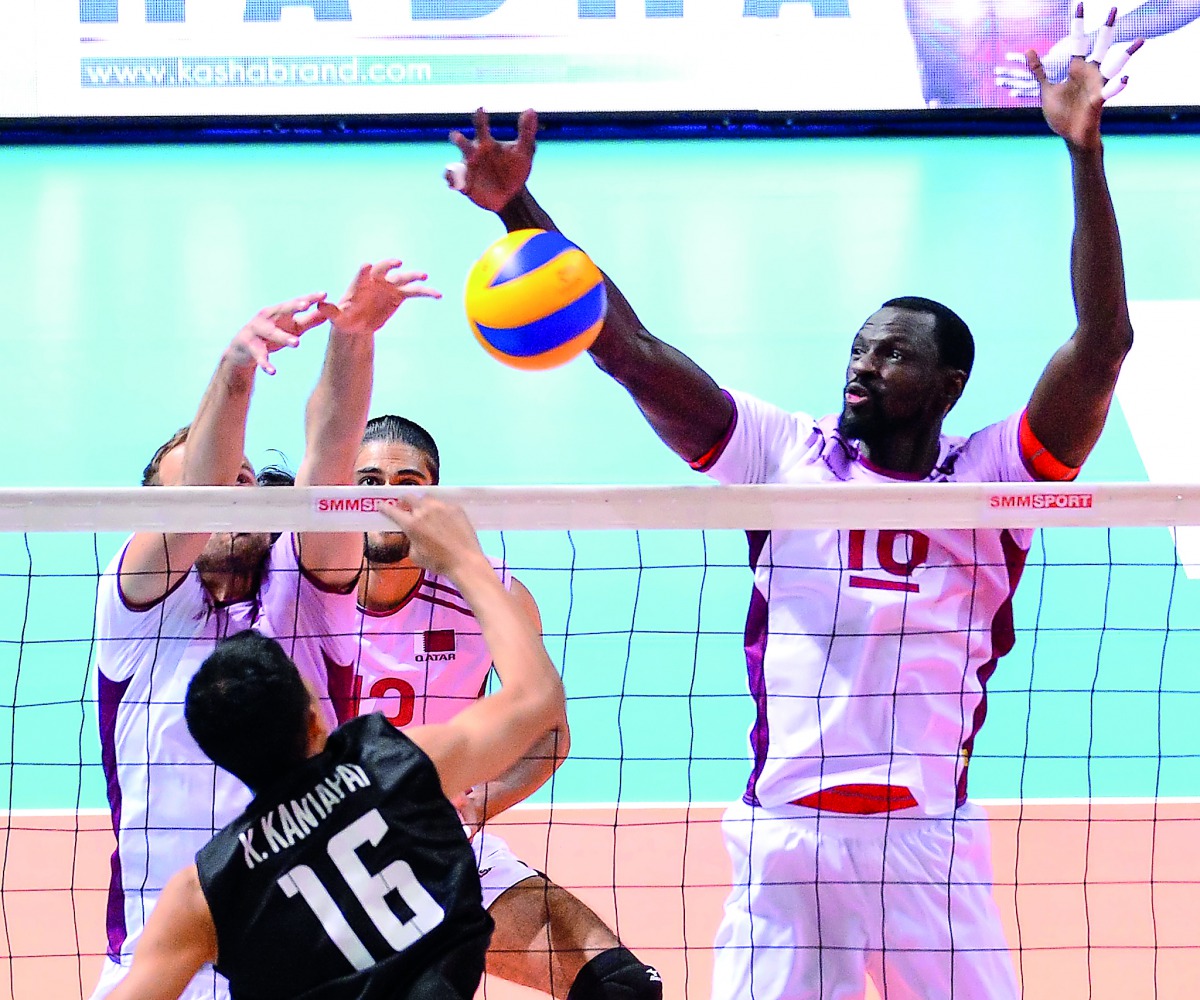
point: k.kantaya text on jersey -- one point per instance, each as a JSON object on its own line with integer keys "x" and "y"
{"x": 167, "y": 798}
{"x": 869, "y": 650}
{"x": 375, "y": 897}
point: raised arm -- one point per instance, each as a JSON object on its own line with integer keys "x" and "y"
{"x": 1150, "y": 20}
{"x": 683, "y": 404}
{"x": 337, "y": 409}
{"x": 179, "y": 938}
{"x": 527, "y": 775}
{"x": 214, "y": 452}
{"x": 1071, "y": 400}
{"x": 490, "y": 736}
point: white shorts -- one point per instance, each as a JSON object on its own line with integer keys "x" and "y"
{"x": 822, "y": 900}
{"x": 206, "y": 985}
{"x": 499, "y": 868}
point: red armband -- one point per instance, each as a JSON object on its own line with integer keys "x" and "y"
{"x": 1038, "y": 460}
{"x": 709, "y": 458}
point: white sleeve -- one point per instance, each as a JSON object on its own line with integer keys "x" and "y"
{"x": 128, "y": 636}
{"x": 299, "y": 609}
{"x": 757, "y": 439}
{"x": 993, "y": 455}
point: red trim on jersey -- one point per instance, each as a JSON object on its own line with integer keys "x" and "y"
{"x": 442, "y": 587}
{"x": 1004, "y": 637}
{"x": 1038, "y": 460}
{"x": 859, "y": 800}
{"x": 710, "y": 457}
{"x": 311, "y": 577}
{"x": 757, "y": 635}
{"x": 870, "y": 583}
{"x": 879, "y": 470}
{"x": 447, "y": 604}
{"x": 141, "y": 609}
{"x": 403, "y": 604}
{"x": 343, "y": 692}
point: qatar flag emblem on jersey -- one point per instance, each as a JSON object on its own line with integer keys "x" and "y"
{"x": 438, "y": 640}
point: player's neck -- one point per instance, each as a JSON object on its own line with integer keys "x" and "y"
{"x": 384, "y": 588}
{"x": 906, "y": 453}
{"x": 229, "y": 588}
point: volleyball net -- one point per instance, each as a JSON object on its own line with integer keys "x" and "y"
{"x": 1088, "y": 766}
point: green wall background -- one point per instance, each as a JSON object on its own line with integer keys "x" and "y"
{"x": 127, "y": 269}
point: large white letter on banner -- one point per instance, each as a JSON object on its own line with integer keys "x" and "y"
{"x": 323, "y": 10}
{"x": 453, "y": 10}
{"x": 820, "y": 8}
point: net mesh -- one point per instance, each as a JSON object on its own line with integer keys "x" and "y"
{"x": 1088, "y": 765}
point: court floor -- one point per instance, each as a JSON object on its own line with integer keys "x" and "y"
{"x": 1101, "y": 903}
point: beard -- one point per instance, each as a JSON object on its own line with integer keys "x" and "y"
{"x": 386, "y": 548}
{"x": 234, "y": 554}
{"x": 869, "y": 424}
{"x": 855, "y": 426}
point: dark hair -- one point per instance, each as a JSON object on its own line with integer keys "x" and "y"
{"x": 400, "y": 430}
{"x": 150, "y": 473}
{"x": 276, "y": 475}
{"x": 956, "y": 346}
{"x": 247, "y": 709}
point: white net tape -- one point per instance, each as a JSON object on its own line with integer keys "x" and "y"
{"x": 544, "y": 508}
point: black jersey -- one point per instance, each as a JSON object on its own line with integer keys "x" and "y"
{"x": 352, "y": 879}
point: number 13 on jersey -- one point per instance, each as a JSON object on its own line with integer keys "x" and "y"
{"x": 890, "y": 556}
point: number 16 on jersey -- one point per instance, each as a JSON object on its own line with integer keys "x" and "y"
{"x": 368, "y": 891}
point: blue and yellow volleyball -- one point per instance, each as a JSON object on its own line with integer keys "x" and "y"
{"x": 535, "y": 300}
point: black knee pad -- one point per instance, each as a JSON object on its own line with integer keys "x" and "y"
{"x": 616, "y": 975}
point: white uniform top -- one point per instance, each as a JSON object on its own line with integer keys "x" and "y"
{"x": 868, "y": 650}
{"x": 427, "y": 660}
{"x": 167, "y": 798}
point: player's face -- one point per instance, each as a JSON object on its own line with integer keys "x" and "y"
{"x": 894, "y": 380}
{"x": 240, "y": 552}
{"x": 383, "y": 463}
{"x": 170, "y": 469}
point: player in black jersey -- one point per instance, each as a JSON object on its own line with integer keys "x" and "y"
{"x": 349, "y": 877}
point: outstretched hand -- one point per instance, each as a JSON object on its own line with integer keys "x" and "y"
{"x": 1073, "y": 107}
{"x": 374, "y": 296}
{"x": 440, "y": 537}
{"x": 496, "y": 171}
{"x": 1015, "y": 77}
{"x": 273, "y": 328}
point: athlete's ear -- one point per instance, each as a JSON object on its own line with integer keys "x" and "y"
{"x": 956, "y": 382}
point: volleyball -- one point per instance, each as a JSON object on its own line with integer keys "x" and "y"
{"x": 535, "y": 300}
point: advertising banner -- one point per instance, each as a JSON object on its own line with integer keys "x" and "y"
{"x": 344, "y": 57}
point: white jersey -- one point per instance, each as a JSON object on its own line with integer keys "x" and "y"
{"x": 427, "y": 660}
{"x": 167, "y": 798}
{"x": 868, "y": 651}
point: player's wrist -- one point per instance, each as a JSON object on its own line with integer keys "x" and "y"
{"x": 351, "y": 330}
{"x": 238, "y": 366}
{"x": 516, "y": 213}
{"x": 1087, "y": 151}
{"x": 469, "y": 567}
